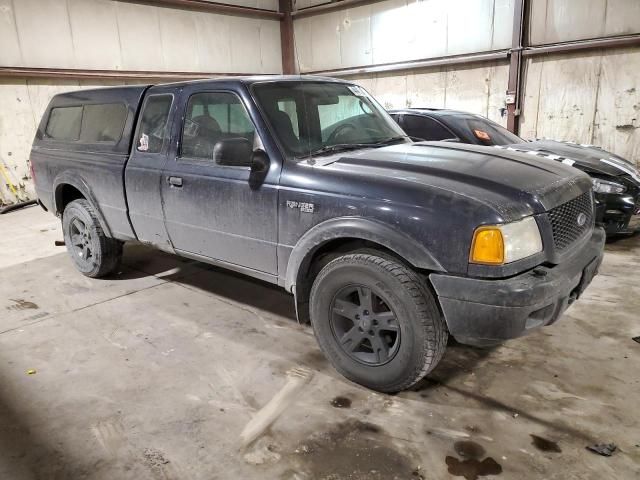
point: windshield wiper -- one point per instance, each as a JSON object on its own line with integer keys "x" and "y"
{"x": 341, "y": 147}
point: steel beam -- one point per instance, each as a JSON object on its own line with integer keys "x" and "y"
{"x": 330, "y": 7}
{"x": 424, "y": 63}
{"x": 591, "y": 44}
{"x": 27, "y": 72}
{"x": 215, "y": 7}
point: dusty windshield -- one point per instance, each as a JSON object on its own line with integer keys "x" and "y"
{"x": 323, "y": 117}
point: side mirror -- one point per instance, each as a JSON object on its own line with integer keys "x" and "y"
{"x": 233, "y": 152}
{"x": 259, "y": 161}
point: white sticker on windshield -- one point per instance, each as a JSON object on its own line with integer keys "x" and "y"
{"x": 358, "y": 91}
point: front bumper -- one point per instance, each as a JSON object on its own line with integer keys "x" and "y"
{"x": 618, "y": 213}
{"x": 483, "y": 312}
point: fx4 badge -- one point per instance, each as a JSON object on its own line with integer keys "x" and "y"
{"x": 304, "y": 207}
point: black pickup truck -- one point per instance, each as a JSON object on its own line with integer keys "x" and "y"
{"x": 388, "y": 246}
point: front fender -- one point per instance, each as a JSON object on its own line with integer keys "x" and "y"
{"x": 362, "y": 229}
{"x": 76, "y": 181}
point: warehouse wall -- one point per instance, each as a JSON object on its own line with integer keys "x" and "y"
{"x": 113, "y": 35}
{"x": 589, "y": 98}
{"x": 401, "y": 30}
{"x": 477, "y": 88}
{"x": 565, "y": 20}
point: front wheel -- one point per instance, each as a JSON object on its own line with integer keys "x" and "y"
{"x": 93, "y": 253}
{"x": 376, "y": 321}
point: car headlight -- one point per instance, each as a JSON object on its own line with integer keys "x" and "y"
{"x": 605, "y": 186}
{"x": 500, "y": 244}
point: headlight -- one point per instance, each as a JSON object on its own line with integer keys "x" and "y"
{"x": 500, "y": 244}
{"x": 605, "y": 186}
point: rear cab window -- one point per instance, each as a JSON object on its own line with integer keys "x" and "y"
{"x": 89, "y": 123}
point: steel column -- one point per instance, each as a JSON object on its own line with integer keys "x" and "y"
{"x": 286, "y": 38}
{"x": 514, "y": 87}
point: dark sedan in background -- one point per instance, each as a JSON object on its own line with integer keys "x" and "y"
{"x": 616, "y": 181}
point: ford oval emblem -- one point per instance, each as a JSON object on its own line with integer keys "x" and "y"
{"x": 582, "y": 219}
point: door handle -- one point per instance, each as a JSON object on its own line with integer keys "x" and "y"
{"x": 175, "y": 181}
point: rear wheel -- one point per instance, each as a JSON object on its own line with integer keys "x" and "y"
{"x": 376, "y": 321}
{"x": 93, "y": 253}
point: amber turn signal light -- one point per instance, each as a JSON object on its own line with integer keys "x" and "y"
{"x": 487, "y": 247}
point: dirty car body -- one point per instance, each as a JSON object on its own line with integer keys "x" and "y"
{"x": 307, "y": 183}
{"x": 616, "y": 181}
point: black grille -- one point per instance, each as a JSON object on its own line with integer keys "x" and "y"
{"x": 565, "y": 222}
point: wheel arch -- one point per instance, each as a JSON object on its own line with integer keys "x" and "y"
{"x": 345, "y": 230}
{"x": 69, "y": 187}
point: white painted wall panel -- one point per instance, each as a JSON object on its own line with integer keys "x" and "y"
{"x": 139, "y": 37}
{"x": 178, "y": 38}
{"x": 270, "y": 47}
{"x": 623, "y": 17}
{"x": 400, "y": 30}
{"x": 427, "y": 29}
{"x": 10, "y": 45}
{"x": 477, "y": 89}
{"x": 591, "y": 98}
{"x": 245, "y": 52}
{"x": 109, "y": 35}
{"x": 470, "y": 26}
{"x": 565, "y": 20}
{"x": 213, "y": 46}
{"x": 389, "y": 35}
{"x": 298, "y": 4}
{"x": 325, "y": 40}
{"x": 94, "y": 24}
{"x": 355, "y": 36}
{"x": 617, "y": 119}
{"x": 44, "y": 33}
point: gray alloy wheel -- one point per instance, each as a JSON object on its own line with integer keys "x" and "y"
{"x": 93, "y": 253}
{"x": 377, "y": 321}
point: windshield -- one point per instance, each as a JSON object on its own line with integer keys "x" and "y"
{"x": 485, "y": 132}
{"x": 317, "y": 117}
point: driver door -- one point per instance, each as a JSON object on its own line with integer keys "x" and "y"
{"x": 213, "y": 211}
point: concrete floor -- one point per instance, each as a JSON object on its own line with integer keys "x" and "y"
{"x": 164, "y": 370}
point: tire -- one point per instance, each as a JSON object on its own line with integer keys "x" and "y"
{"x": 93, "y": 253}
{"x": 392, "y": 338}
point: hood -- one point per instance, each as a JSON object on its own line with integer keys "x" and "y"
{"x": 515, "y": 184}
{"x": 589, "y": 158}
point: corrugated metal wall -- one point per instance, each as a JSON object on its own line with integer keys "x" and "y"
{"x": 478, "y": 88}
{"x": 113, "y": 35}
{"x": 109, "y": 35}
{"x": 400, "y": 30}
{"x": 588, "y": 98}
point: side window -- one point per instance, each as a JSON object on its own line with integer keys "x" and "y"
{"x": 103, "y": 123}
{"x": 426, "y": 128}
{"x": 153, "y": 126}
{"x": 64, "y": 123}
{"x": 212, "y": 117}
